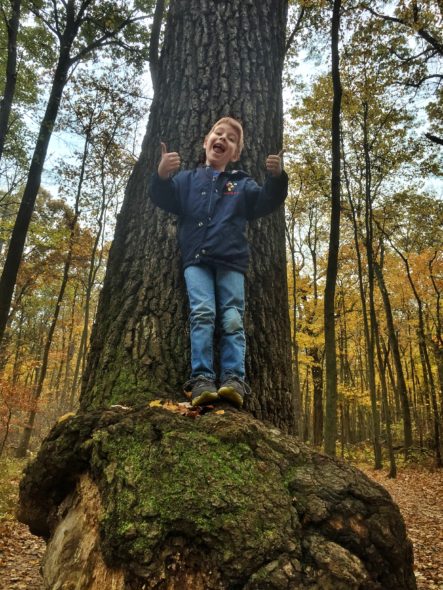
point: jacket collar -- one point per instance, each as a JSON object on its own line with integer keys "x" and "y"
{"x": 227, "y": 173}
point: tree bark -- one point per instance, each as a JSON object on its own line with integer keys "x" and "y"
{"x": 217, "y": 503}
{"x": 139, "y": 346}
{"x": 393, "y": 342}
{"x": 11, "y": 71}
{"x": 334, "y": 240}
{"x": 371, "y": 329}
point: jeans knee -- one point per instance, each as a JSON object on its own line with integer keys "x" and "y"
{"x": 203, "y": 313}
{"x": 232, "y": 320}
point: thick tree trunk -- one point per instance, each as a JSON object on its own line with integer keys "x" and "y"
{"x": 211, "y": 65}
{"x": 145, "y": 498}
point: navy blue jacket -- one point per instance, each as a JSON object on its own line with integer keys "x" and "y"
{"x": 213, "y": 212}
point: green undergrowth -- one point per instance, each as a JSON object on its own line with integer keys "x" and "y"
{"x": 10, "y": 474}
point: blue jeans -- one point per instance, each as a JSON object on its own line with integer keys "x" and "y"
{"x": 216, "y": 293}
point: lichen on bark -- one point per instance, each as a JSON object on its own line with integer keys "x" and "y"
{"x": 222, "y": 502}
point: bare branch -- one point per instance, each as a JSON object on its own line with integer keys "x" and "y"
{"x": 106, "y": 39}
{"x": 295, "y": 30}
{"x": 434, "y": 138}
{"x": 40, "y": 15}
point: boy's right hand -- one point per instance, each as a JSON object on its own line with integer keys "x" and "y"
{"x": 169, "y": 163}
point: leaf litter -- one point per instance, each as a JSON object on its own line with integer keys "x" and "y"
{"x": 419, "y": 495}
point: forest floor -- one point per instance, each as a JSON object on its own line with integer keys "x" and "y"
{"x": 417, "y": 490}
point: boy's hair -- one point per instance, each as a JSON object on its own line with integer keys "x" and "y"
{"x": 236, "y": 125}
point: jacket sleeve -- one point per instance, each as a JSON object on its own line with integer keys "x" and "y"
{"x": 165, "y": 193}
{"x": 263, "y": 200}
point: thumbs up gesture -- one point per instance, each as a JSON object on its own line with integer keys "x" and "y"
{"x": 274, "y": 164}
{"x": 169, "y": 163}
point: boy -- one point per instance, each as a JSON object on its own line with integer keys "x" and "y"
{"x": 214, "y": 206}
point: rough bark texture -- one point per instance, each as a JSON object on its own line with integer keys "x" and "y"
{"x": 218, "y": 58}
{"x": 219, "y": 502}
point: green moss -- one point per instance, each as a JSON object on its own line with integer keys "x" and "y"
{"x": 188, "y": 482}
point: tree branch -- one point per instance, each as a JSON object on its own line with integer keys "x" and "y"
{"x": 295, "y": 29}
{"x": 423, "y": 33}
{"x": 154, "y": 43}
{"x": 434, "y": 138}
{"x": 104, "y": 39}
{"x": 39, "y": 14}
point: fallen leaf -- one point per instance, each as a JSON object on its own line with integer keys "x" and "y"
{"x": 156, "y": 403}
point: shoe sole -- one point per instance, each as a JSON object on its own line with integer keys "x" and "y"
{"x": 231, "y": 395}
{"x": 206, "y": 397}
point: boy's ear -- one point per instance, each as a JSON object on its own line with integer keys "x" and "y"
{"x": 236, "y": 156}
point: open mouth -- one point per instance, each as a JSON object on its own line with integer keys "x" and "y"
{"x": 218, "y": 148}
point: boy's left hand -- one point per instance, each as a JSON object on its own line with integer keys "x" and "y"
{"x": 273, "y": 163}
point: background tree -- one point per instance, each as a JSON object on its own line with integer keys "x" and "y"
{"x": 334, "y": 239}
{"x": 79, "y": 31}
{"x": 11, "y": 23}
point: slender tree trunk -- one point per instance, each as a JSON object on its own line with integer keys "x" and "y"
{"x": 11, "y": 71}
{"x": 393, "y": 342}
{"x": 372, "y": 328}
{"x": 290, "y": 228}
{"x": 437, "y": 343}
{"x": 386, "y": 406}
{"x": 26, "y": 437}
{"x": 317, "y": 386}
{"x": 368, "y": 331}
{"x": 427, "y": 370}
{"x": 334, "y": 240}
{"x": 20, "y": 230}
{"x": 27, "y": 432}
{"x": 69, "y": 354}
{"x": 139, "y": 345}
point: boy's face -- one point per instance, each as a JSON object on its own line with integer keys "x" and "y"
{"x": 221, "y": 145}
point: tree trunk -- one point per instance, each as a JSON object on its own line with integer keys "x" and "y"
{"x": 386, "y": 407}
{"x": 427, "y": 370}
{"x": 26, "y": 436}
{"x": 290, "y": 229}
{"x": 144, "y": 498}
{"x": 139, "y": 346}
{"x": 11, "y": 71}
{"x": 393, "y": 342}
{"x": 334, "y": 240}
{"x": 368, "y": 327}
{"x": 27, "y": 432}
{"x": 317, "y": 395}
{"x": 20, "y": 230}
